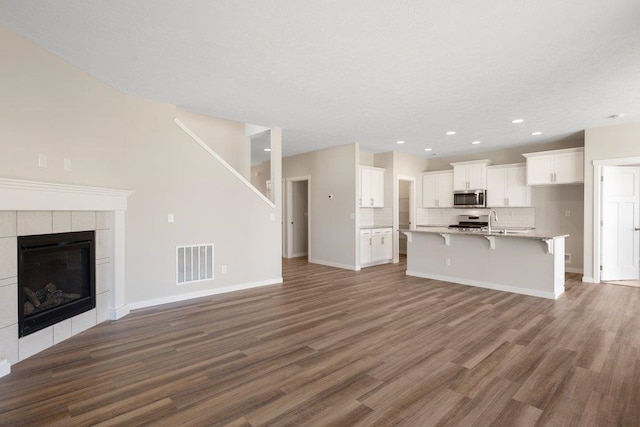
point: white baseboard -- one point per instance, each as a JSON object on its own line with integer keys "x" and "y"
{"x": 494, "y": 286}
{"x": 205, "y": 293}
{"x": 334, "y": 264}
{"x": 298, "y": 255}
{"x": 5, "y": 367}
{"x": 573, "y": 270}
{"x": 586, "y": 279}
{"x": 118, "y": 313}
{"x": 384, "y": 261}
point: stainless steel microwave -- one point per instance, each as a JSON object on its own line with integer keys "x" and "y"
{"x": 470, "y": 199}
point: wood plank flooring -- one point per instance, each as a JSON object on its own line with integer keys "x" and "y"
{"x": 336, "y": 347}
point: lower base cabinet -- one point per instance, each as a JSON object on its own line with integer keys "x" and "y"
{"x": 376, "y": 246}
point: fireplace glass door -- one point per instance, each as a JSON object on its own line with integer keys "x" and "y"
{"x": 56, "y": 278}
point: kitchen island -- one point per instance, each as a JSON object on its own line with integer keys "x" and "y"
{"x": 525, "y": 262}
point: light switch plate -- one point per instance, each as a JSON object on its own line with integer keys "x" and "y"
{"x": 170, "y": 217}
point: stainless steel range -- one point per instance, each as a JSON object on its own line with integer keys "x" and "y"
{"x": 471, "y": 222}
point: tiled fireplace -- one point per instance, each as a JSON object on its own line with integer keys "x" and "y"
{"x": 43, "y": 210}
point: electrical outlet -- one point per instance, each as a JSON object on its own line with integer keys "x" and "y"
{"x": 447, "y": 262}
{"x": 567, "y": 213}
{"x": 224, "y": 269}
{"x": 42, "y": 160}
{"x": 67, "y": 164}
{"x": 170, "y": 218}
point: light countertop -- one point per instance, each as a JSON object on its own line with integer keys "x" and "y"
{"x": 524, "y": 233}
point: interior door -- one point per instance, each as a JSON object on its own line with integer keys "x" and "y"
{"x": 620, "y": 223}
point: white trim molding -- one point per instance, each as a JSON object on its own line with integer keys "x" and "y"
{"x": 334, "y": 264}
{"x": 205, "y": 293}
{"x": 19, "y": 195}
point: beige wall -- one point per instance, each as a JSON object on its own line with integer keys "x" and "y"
{"x": 227, "y": 141}
{"x": 114, "y": 140}
{"x": 551, "y": 205}
{"x": 610, "y": 142}
{"x": 332, "y": 236}
{"x": 260, "y": 174}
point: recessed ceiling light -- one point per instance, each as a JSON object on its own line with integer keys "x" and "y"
{"x": 476, "y": 142}
{"x": 399, "y": 142}
{"x": 536, "y": 133}
{"x": 428, "y": 149}
{"x": 267, "y": 149}
{"x": 451, "y": 132}
{"x": 516, "y": 121}
{"x": 616, "y": 116}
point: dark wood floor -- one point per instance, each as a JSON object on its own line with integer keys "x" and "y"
{"x": 334, "y": 347}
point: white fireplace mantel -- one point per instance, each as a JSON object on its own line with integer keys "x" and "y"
{"x": 20, "y": 195}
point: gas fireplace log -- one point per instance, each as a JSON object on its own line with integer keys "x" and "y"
{"x": 28, "y": 308}
{"x": 70, "y": 296}
{"x": 32, "y": 297}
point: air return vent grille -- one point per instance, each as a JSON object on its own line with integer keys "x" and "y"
{"x": 194, "y": 263}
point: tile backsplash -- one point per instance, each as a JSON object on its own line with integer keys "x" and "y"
{"x": 507, "y": 217}
{"x": 376, "y": 216}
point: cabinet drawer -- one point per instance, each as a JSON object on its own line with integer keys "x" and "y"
{"x": 386, "y": 231}
{"x": 365, "y": 233}
{"x": 377, "y": 232}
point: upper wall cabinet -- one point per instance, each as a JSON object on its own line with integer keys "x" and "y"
{"x": 437, "y": 189}
{"x": 555, "y": 167}
{"x": 507, "y": 186}
{"x": 371, "y": 187}
{"x": 470, "y": 175}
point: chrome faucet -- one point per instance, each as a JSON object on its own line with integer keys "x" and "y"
{"x": 495, "y": 217}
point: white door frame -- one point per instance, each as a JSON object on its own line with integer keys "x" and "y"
{"x": 290, "y": 182}
{"x": 597, "y": 209}
{"x": 396, "y": 210}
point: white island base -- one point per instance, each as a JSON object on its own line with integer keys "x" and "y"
{"x": 529, "y": 264}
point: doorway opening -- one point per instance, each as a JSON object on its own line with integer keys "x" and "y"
{"x": 405, "y": 211}
{"x": 298, "y": 223}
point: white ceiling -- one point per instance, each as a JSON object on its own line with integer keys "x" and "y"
{"x": 369, "y": 71}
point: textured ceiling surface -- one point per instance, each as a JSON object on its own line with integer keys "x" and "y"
{"x": 369, "y": 71}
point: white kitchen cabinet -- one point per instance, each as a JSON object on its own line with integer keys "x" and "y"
{"x": 371, "y": 187}
{"x": 507, "y": 186}
{"x": 470, "y": 175}
{"x": 437, "y": 189}
{"x": 365, "y": 247}
{"x": 376, "y": 246}
{"x": 555, "y": 167}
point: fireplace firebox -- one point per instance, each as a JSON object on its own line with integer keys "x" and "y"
{"x": 56, "y": 278}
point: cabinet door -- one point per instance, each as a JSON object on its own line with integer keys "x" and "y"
{"x": 518, "y": 192}
{"x": 429, "y": 191}
{"x": 497, "y": 187}
{"x": 365, "y": 250}
{"x": 365, "y": 187}
{"x": 377, "y": 188}
{"x": 377, "y": 248}
{"x": 387, "y": 243}
{"x": 461, "y": 178}
{"x": 445, "y": 190}
{"x": 568, "y": 168}
{"x": 539, "y": 170}
{"x": 477, "y": 176}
